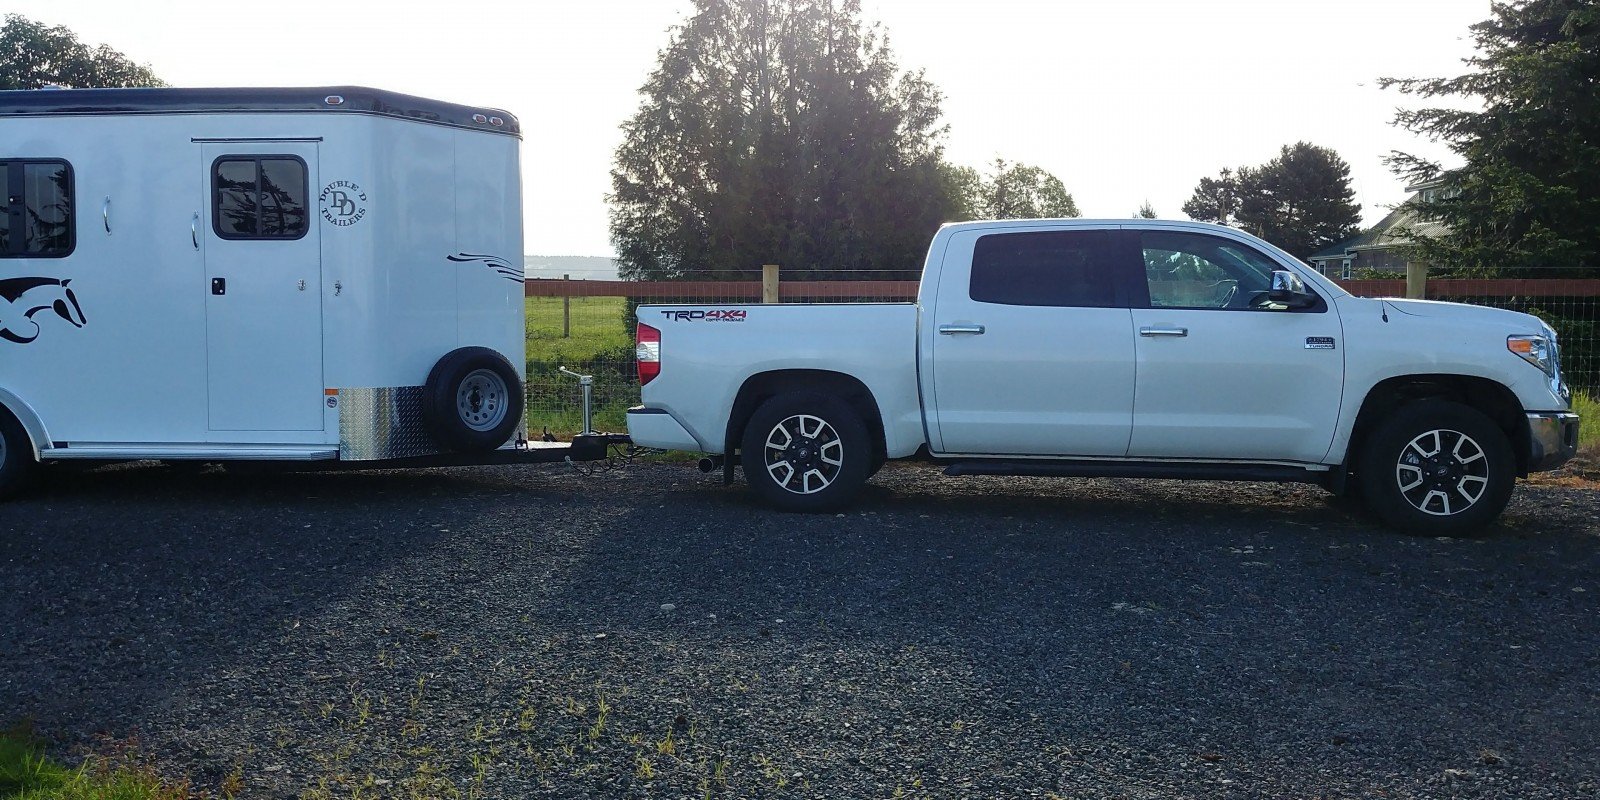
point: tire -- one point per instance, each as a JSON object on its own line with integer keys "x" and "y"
{"x": 1437, "y": 468}
{"x": 473, "y": 401}
{"x": 18, "y": 467}
{"x": 806, "y": 452}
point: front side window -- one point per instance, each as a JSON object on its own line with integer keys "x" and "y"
{"x": 1052, "y": 268}
{"x": 259, "y": 197}
{"x": 1191, "y": 270}
{"x": 38, "y": 219}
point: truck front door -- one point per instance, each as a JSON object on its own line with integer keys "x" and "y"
{"x": 1223, "y": 373}
{"x": 263, "y": 286}
{"x": 1032, "y": 345}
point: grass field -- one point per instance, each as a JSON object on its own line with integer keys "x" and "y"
{"x": 26, "y": 774}
{"x": 600, "y": 344}
{"x": 1588, "y": 410}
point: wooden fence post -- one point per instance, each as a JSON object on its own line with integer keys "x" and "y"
{"x": 566, "y": 310}
{"x": 1416, "y": 280}
{"x": 769, "y": 283}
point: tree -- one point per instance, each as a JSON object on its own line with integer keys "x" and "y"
{"x": 780, "y": 131}
{"x": 32, "y": 56}
{"x": 1146, "y": 211}
{"x": 1524, "y": 196}
{"x": 1215, "y": 199}
{"x": 1300, "y": 201}
{"x": 1012, "y": 191}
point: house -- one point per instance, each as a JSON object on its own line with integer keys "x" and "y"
{"x": 1377, "y": 248}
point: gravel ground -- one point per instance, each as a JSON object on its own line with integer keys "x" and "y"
{"x": 528, "y": 632}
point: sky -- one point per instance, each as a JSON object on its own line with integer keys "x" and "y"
{"x": 1126, "y": 101}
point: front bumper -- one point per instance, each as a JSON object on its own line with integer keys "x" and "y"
{"x": 1552, "y": 439}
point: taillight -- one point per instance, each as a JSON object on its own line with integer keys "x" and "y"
{"x": 648, "y": 353}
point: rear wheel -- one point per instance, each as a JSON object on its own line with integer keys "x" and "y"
{"x": 17, "y": 464}
{"x": 472, "y": 401}
{"x": 1437, "y": 468}
{"x": 806, "y": 452}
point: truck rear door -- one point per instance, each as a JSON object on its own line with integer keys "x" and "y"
{"x": 1032, "y": 344}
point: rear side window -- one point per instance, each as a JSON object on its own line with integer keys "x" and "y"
{"x": 1052, "y": 268}
{"x": 259, "y": 197}
{"x": 38, "y": 219}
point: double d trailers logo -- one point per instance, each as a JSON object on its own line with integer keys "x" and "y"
{"x": 343, "y": 203}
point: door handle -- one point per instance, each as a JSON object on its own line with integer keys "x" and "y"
{"x": 1147, "y": 331}
{"x": 194, "y": 230}
{"x": 951, "y": 330}
{"x": 105, "y": 213}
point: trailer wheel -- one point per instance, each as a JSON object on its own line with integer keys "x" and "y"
{"x": 472, "y": 401}
{"x": 17, "y": 464}
{"x": 1437, "y": 468}
{"x": 806, "y": 452}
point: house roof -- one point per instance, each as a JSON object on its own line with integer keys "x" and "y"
{"x": 1383, "y": 235}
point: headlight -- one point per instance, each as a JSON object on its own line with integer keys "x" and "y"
{"x": 1537, "y": 350}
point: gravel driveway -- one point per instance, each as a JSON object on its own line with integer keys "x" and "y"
{"x": 516, "y": 632}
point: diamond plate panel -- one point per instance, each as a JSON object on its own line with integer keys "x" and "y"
{"x": 382, "y": 423}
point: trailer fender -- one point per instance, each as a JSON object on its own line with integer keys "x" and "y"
{"x": 31, "y": 424}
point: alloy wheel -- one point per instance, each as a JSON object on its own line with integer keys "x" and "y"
{"x": 803, "y": 454}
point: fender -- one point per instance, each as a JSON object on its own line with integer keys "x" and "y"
{"x": 31, "y": 424}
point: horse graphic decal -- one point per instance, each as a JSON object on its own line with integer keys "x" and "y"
{"x": 22, "y": 298}
{"x": 496, "y": 264}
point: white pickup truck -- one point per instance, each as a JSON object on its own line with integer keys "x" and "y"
{"x": 1126, "y": 348}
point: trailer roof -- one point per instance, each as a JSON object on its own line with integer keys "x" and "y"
{"x": 325, "y": 99}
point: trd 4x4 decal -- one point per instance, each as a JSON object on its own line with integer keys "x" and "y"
{"x": 715, "y": 315}
{"x": 23, "y": 298}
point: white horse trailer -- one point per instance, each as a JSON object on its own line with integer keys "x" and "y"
{"x": 310, "y": 275}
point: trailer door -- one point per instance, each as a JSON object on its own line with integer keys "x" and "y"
{"x": 263, "y": 286}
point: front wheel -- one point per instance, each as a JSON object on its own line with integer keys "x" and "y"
{"x": 1437, "y": 468}
{"x": 806, "y": 452}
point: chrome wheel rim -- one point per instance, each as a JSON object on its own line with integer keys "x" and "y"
{"x": 1442, "y": 472}
{"x": 803, "y": 454}
{"x": 481, "y": 400}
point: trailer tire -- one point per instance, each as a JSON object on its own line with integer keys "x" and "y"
{"x": 1437, "y": 468}
{"x": 472, "y": 401}
{"x": 806, "y": 452}
{"x": 18, "y": 467}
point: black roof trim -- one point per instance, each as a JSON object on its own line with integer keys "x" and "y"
{"x": 357, "y": 100}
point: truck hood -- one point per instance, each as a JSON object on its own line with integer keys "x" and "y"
{"x": 1512, "y": 321}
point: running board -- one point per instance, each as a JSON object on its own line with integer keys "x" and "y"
{"x": 1138, "y": 469}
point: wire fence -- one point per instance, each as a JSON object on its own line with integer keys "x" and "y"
{"x": 587, "y": 326}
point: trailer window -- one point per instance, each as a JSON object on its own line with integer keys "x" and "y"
{"x": 259, "y": 197}
{"x": 1053, "y": 268}
{"x": 38, "y": 215}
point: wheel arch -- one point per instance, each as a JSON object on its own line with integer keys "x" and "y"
{"x": 1493, "y": 399}
{"x": 32, "y": 426}
{"x": 760, "y": 387}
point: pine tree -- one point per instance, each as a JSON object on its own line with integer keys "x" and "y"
{"x": 1300, "y": 201}
{"x": 1525, "y": 196}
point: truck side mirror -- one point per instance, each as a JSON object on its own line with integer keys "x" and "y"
{"x": 1289, "y": 290}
